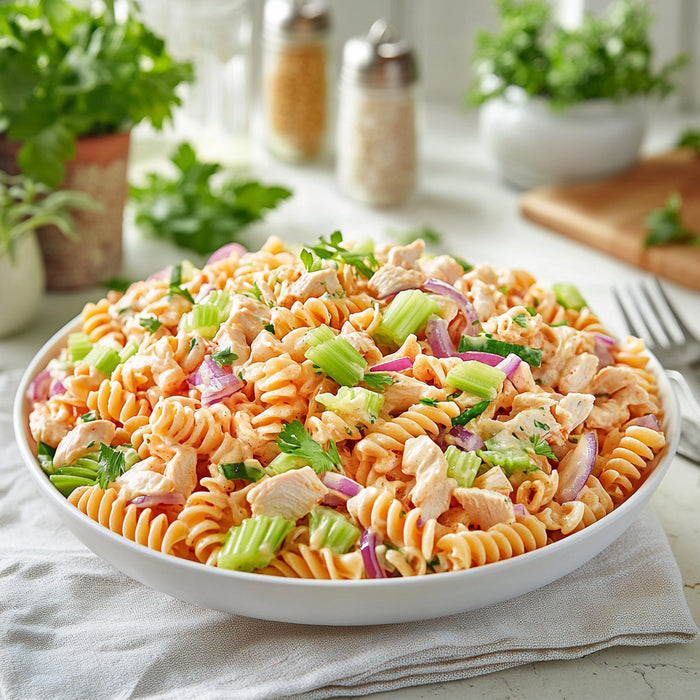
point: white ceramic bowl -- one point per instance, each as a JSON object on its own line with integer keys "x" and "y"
{"x": 366, "y": 602}
{"x": 534, "y": 145}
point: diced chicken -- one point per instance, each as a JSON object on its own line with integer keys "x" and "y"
{"x": 535, "y": 421}
{"x": 290, "y": 495}
{"x": 494, "y": 479}
{"x": 363, "y": 343}
{"x": 390, "y": 279}
{"x": 483, "y": 508}
{"x": 578, "y": 373}
{"x": 407, "y": 391}
{"x": 442, "y": 267}
{"x": 245, "y": 322}
{"x": 406, "y": 255}
{"x": 311, "y": 284}
{"x": 573, "y": 409}
{"x": 611, "y": 379}
{"x": 47, "y": 427}
{"x": 423, "y": 459}
{"x": 143, "y": 482}
{"x": 82, "y": 440}
{"x": 483, "y": 300}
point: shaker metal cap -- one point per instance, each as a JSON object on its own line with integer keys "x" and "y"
{"x": 382, "y": 59}
{"x": 290, "y": 18}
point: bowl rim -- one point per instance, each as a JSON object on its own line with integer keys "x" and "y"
{"x": 652, "y": 477}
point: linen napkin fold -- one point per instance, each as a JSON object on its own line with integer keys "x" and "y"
{"x": 72, "y": 626}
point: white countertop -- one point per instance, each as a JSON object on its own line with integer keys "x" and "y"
{"x": 461, "y": 197}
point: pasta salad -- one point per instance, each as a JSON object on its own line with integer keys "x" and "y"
{"x": 345, "y": 412}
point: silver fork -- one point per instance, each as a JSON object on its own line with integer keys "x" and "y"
{"x": 651, "y": 316}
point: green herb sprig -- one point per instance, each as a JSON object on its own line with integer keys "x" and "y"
{"x": 664, "y": 225}
{"x": 293, "y": 439}
{"x": 363, "y": 261}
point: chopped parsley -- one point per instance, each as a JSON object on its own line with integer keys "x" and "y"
{"x": 429, "y": 402}
{"x": 295, "y": 440}
{"x": 363, "y": 261}
{"x": 89, "y": 417}
{"x": 541, "y": 447}
{"x": 312, "y": 262}
{"x": 112, "y": 464}
{"x": 521, "y": 320}
{"x": 269, "y": 328}
{"x": 541, "y": 425}
{"x": 150, "y": 323}
{"x": 224, "y": 357}
{"x": 378, "y": 380}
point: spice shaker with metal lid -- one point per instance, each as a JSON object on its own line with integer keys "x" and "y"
{"x": 295, "y": 77}
{"x": 376, "y": 139}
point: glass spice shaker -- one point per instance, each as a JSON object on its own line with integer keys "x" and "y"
{"x": 295, "y": 77}
{"x": 376, "y": 140}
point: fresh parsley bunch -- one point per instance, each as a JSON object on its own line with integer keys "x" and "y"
{"x": 607, "y": 56}
{"x": 188, "y": 210}
{"x": 68, "y": 72}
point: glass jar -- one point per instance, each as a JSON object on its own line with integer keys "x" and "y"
{"x": 376, "y": 139}
{"x": 296, "y": 69}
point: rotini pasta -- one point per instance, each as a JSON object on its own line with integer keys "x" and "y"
{"x": 345, "y": 413}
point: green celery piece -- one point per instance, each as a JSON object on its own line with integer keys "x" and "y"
{"x": 407, "y": 313}
{"x": 319, "y": 335}
{"x": 241, "y": 470}
{"x": 568, "y": 296}
{"x": 477, "y": 378}
{"x": 339, "y": 360}
{"x": 103, "y": 358}
{"x": 285, "y": 462}
{"x": 45, "y": 455}
{"x": 462, "y": 466}
{"x": 328, "y": 528}
{"x": 66, "y": 483}
{"x": 129, "y": 350}
{"x": 252, "y": 544}
{"x": 360, "y": 403}
{"x": 482, "y": 343}
{"x": 203, "y": 319}
{"x": 506, "y": 451}
{"x": 79, "y": 346}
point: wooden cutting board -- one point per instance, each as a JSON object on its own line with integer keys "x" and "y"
{"x": 609, "y": 214}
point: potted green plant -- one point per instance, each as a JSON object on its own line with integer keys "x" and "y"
{"x": 73, "y": 82}
{"x": 566, "y": 104}
{"x": 25, "y": 207}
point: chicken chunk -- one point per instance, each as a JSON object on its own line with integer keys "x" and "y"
{"x": 391, "y": 278}
{"x": 406, "y": 255}
{"x": 290, "y": 495}
{"x": 433, "y": 490}
{"x": 82, "y": 440}
{"x": 484, "y": 508}
{"x": 578, "y": 373}
{"x": 573, "y": 409}
{"x": 311, "y": 284}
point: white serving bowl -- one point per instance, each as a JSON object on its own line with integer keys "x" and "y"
{"x": 366, "y": 602}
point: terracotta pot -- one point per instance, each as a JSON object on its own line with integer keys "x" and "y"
{"x": 100, "y": 169}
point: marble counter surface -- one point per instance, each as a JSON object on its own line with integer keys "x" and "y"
{"x": 477, "y": 215}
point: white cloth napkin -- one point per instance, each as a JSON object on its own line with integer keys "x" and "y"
{"x": 71, "y": 626}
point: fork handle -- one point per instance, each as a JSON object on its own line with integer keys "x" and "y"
{"x": 689, "y": 386}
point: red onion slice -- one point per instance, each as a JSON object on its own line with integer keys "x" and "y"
{"x": 575, "y": 468}
{"x": 648, "y": 421}
{"x": 437, "y": 286}
{"x": 337, "y": 482}
{"x": 438, "y": 337}
{"x": 464, "y": 439}
{"x": 520, "y": 511}
{"x": 368, "y": 548}
{"x": 509, "y": 364}
{"x": 38, "y": 389}
{"x": 160, "y": 499}
{"x": 56, "y": 388}
{"x": 226, "y": 251}
{"x": 221, "y": 388}
{"x": 487, "y": 358}
{"x": 601, "y": 349}
{"x": 398, "y": 365}
{"x": 163, "y": 274}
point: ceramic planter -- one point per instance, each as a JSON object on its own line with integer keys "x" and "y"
{"x": 21, "y": 285}
{"x": 534, "y": 145}
{"x": 99, "y": 169}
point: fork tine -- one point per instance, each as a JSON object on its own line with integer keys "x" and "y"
{"x": 631, "y": 327}
{"x": 687, "y": 335}
{"x": 658, "y": 317}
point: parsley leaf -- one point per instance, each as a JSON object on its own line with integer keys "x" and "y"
{"x": 112, "y": 464}
{"x": 295, "y": 440}
{"x": 690, "y": 139}
{"x": 312, "y": 262}
{"x": 521, "y": 320}
{"x": 541, "y": 447}
{"x": 378, "y": 381}
{"x": 192, "y": 212}
{"x": 89, "y": 417}
{"x": 429, "y": 402}
{"x": 224, "y": 357}
{"x": 470, "y": 413}
{"x": 664, "y": 225}
{"x": 150, "y": 323}
{"x": 364, "y": 262}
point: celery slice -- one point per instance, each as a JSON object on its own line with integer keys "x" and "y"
{"x": 462, "y": 466}
{"x": 241, "y": 470}
{"x": 477, "y": 378}
{"x": 407, "y": 313}
{"x": 357, "y": 402}
{"x": 337, "y": 358}
{"x": 568, "y": 296}
{"x": 319, "y": 335}
{"x": 285, "y": 462}
{"x": 252, "y": 544}
{"x": 79, "y": 346}
{"x": 506, "y": 451}
{"x": 328, "y": 528}
{"x": 482, "y": 343}
{"x": 103, "y": 358}
{"x": 129, "y": 350}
